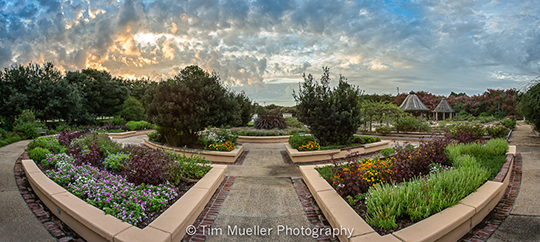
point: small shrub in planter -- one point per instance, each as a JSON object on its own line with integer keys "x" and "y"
{"x": 298, "y": 140}
{"x": 407, "y": 124}
{"x": 116, "y": 161}
{"x": 38, "y": 153}
{"x": 497, "y": 131}
{"x": 156, "y": 137}
{"x": 292, "y": 122}
{"x": 383, "y": 130}
{"x": 270, "y": 122}
{"x": 508, "y": 123}
{"x": 48, "y": 142}
{"x": 118, "y": 120}
{"x": 139, "y": 125}
{"x": 146, "y": 166}
{"x": 387, "y": 152}
{"x": 466, "y": 133}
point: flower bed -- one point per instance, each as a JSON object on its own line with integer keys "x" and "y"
{"x": 214, "y": 156}
{"x": 325, "y": 155}
{"x": 370, "y": 186}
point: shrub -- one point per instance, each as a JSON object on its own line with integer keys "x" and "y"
{"x": 311, "y": 145}
{"x": 3, "y": 134}
{"x": 270, "y": 122}
{"x": 132, "y": 109}
{"x": 333, "y": 114}
{"x": 27, "y": 130}
{"x": 182, "y": 167}
{"x": 407, "y": 124}
{"x": 146, "y": 166}
{"x": 508, "y": 123}
{"x": 155, "y": 136}
{"x": 116, "y": 161}
{"x": 466, "y": 133}
{"x": 47, "y": 142}
{"x": 10, "y": 140}
{"x": 139, "y": 125}
{"x": 65, "y": 137}
{"x": 118, "y": 120}
{"x": 292, "y": 122}
{"x": 498, "y": 131}
{"x": 85, "y": 151}
{"x": 387, "y": 152}
{"x": 383, "y": 130}
{"x": 38, "y": 153}
{"x": 298, "y": 140}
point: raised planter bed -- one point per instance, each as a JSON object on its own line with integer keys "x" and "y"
{"x": 215, "y": 156}
{"x": 447, "y": 225}
{"x": 322, "y": 155}
{"x": 94, "y": 225}
{"x": 129, "y": 133}
{"x": 263, "y": 139}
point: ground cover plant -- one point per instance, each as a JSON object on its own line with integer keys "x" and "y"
{"x": 415, "y": 182}
{"x": 132, "y": 183}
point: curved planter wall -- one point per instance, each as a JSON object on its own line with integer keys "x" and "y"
{"x": 129, "y": 133}
{"x": 263, "y": 139}
{"x": 94, "y": 225}
{"x": 447, "y": 225}
{"x": 321, "y": 155}
{"x": 215, "y": 156}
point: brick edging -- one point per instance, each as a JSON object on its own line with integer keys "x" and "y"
{"x": 53, "y": 224}
{"x": 493, "y": 220}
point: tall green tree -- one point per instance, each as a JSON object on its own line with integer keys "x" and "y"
{"x": 529, "y": 104}
{"x": 333, "y": 114}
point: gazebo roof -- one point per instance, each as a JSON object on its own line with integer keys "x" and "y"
{"x": 413, "y": 103}
{"x": 443, "y": 107}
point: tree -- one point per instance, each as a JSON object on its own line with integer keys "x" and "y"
{"x": 333, "y": 114}
{"x": 189, "y": 102}
{"x": 132, "y": 110}
{"x": 246, "y": 108}
{"x": 529, "y": 103}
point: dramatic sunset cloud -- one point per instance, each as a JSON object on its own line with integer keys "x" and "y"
{"x": 264, "y": 47}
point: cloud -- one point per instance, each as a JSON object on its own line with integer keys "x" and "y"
{"x": 422, "y": 45}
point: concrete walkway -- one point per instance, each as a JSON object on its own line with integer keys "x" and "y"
{"x": 262, "y": 196}
{"x": 17, "y": 221}
{"x": 523, "y": 223}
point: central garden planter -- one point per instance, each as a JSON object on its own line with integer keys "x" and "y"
{"x": 210, "y": 155}
{"x": 322, "y": 155}
{"x": 94, "y": 225}
{"x": 129, "y": 133}
{"x": 447, "y": 225}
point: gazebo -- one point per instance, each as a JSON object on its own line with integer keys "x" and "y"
{"x": 443, "y": 108}
{"x": 412, "y": 104}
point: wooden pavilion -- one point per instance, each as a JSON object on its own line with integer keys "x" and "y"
{"x": 443, "y": 108}
{"x": 413, "y": 105}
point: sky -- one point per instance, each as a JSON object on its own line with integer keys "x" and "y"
{"x": 264, "y": 47}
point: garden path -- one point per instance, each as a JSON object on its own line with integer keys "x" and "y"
{"x": 523, "y": 223}
{"x": 262, "y": 196}
{"x": 17, "y": 221}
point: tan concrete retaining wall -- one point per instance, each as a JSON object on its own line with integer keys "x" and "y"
{"x": 447, "y": 225}
{"x": 129, "y": 133}
{"x": 263, "y": 139}
{"x": 215, "y": 156}
{"x": 321, "y": 155}
{"x": 93, "y": 225}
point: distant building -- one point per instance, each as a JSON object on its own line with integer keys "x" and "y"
{"x": 287, "y": 115}
{"x": 412, "y": 104}
{"x": 443, "y": 108}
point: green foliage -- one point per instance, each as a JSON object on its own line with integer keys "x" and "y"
{"x": 27, "y": 130}
{"x": 3, "y": 134}
{"x": 189, "y": 102}
{"x": 116, "y": 161}
{"x": 118, "y": 120}
{"x": 508, "y": 123}
{"x": 365, "y": 139}
{"x": 270, "y": 122}
{"x": 333, "y": 114}
{"x": 139, "y": 125}
{"x": 48, "y": 142}
{"x": 298, "y": 140}
{"x": 497, "y": 131}
{"x": 387, "y": 152}
{"x": 409, "y": 124}
{"x": 383, "y": 130}
{"x": 10, "y": 140}
{"x": 132, "y": 109}
{"x": 217, "y": 137}
{"x": 181, "y": 167}
{"x": 489, "y": 156}
{"x": 38, "y": 153}
{"x": 292, "y": 122}
{"x": 155, "y": 136}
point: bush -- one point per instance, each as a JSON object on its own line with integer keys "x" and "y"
{"x": 3, "y": 134}
{"x": 292, "y": 122}
{"x": 118, "y": 120}
{"x": 387, "y": 152}
{"x": 27, "y": 130}
{"x": 407, "y": 124}
{"x": 146, "y": 166}
{"x": 383, "y": 130}
{"x": 47, "y": 142}
{"x": 497, "y": 131}
{"x": 155, "y": 136}
{"x": 466, "y": 133}
{"x": 132, "y": 109}
{"x": 139, "y": 125}
{"x": 85, "y": 151}
{"x": 10, "y": 140}
{"x": 508, "y": 123}
{"x": 333, "y": 114}
{"x": 116, "y": 161}
{"x": 65, "y": 137}
{"x": 38, "y": 153}
{"x": 298, "y": 140}
{"x": 270, "y": 122}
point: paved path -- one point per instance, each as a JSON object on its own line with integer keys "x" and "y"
{"x": 262, "y": 195}
{"x": 17, "y": 221}
{"x": 523, "y": 223}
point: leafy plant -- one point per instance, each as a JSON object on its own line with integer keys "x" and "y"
{"x": 132, "y": 109}
{"x": 498, "y": 131}
{"x": 116, "y": 161}
{"x": 407, "y": 124}
{"x": 333, "y": 114}
{"x": 298, "y": 140}
{"x": 139, "y": 125}
{"x": 387, "y": 152}
{"x": 27, "y": 130}
{"x": 38, "y": 153}
{"x": 118, "y": 121}
{"x": 292, "y": 122}
{"x": 383, "y": 130}
{"x": 270, "y": 122}
{"x": 155, "y": 136}
{"x": 508, "y": 123}
{"x": 146, "y": 166}
{"x": 47, "y": 142}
